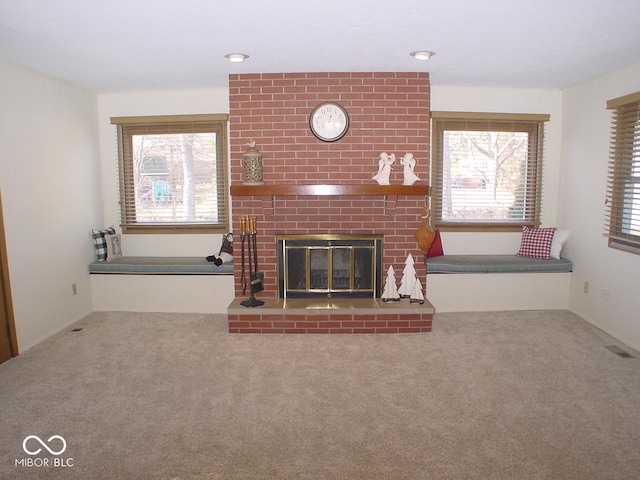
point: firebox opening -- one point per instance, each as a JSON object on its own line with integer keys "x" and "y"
{"x": 330, "y": 266}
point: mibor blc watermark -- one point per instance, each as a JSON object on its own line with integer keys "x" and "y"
{"x": 35, "y": 448}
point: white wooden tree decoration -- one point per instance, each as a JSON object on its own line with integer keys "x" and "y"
{"x": 408, "y": 277}
{"x": 409, "y": 164}
{"x": 416, "y": 295}
{"x": 384, "y": 168}
{"x": 390, "y": 290}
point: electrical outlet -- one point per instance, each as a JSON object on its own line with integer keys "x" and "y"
{"x": 74, "y": 288}
{"x": 586, "y": 287}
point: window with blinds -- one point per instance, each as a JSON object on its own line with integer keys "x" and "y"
{"x": 486, "y": 171}
{"x": 623, "y": 184}
{"x": 173, "y": 173}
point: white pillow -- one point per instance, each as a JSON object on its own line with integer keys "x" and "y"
{"x": 114, "y": 246}
{"x": 560, "y": 237}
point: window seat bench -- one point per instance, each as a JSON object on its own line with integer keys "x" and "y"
{"x": 160, "y": 266}
{"x": 162, "y": 284}
{"x": 495, "y": 264}
{"x": 475, "y": 283}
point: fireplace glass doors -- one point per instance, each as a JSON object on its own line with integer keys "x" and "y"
{"x": 329, "y": 266}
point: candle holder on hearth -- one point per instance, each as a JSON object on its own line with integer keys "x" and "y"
{"x": 252, "y": 165}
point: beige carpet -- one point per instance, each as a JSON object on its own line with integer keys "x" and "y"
{"x": 508, "y": 395}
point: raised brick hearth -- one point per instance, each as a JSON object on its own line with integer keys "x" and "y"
{"x": 337, "y": 316}
{"x": 388, "y": 112}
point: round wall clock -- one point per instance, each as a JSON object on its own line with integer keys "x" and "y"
{"x": 329, "y": 121}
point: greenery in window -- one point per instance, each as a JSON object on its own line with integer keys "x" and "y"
{"x": 486, "y": 170}
{"x": 172, "y": 173}
{"x": 623, "y": 192}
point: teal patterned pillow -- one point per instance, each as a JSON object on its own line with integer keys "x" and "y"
{"x": 100, "y": 242}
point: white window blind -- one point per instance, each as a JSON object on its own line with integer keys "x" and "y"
{"x": 486, "y": 171}
{"x": 623, "y": 183}
{"x": 173, "y": 173}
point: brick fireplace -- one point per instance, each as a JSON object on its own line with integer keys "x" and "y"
{"x": 313, "y": 187}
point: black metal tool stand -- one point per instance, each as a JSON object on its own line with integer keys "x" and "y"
{"x": 248, "y": 245}
{"x": 252, "y": 301}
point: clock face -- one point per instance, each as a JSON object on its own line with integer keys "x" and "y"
{"x": 329, "y": 121}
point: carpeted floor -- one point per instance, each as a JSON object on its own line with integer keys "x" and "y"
{"x": 506, "y": 395}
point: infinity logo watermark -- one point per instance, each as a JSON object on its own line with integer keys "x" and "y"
{"x": 32, "y": 445}
{"x": 39, "y": 440}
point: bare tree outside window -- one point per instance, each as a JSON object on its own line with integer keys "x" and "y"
{"x": 484, "y": 174}
{"x": 181, "y": 186}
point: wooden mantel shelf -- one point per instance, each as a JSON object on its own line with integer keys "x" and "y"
{"x": 335, "y": 189}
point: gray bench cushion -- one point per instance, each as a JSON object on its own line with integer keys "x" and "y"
{"x": 161, "y": 266}
{"x": 495, "y": 264}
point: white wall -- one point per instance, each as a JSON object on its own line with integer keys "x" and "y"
{"x": 508, "y": 100}
{"x": 50, "y": 184}
{"x": 175, "y": 102}
{"x": 586, "y": 155}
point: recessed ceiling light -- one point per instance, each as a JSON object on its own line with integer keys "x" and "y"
{"x": 237, "y": 57}
{"x": 422, "y": 54}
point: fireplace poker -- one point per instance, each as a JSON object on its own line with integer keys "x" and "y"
{"x": 256, "y": 275}
{"x": 248, "y": 239}
{"x": 243, "y": 278}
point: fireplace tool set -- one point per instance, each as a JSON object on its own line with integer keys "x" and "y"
{"x": 249, "y": 259}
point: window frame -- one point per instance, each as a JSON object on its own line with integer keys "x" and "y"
{"x": 533, "y": 124}
{"x": 127, "y": 127}
{"x": 624, "y": 155}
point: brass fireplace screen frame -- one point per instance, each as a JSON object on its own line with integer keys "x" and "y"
{"x": 359, "y": 258}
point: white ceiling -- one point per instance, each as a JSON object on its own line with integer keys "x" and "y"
{"x": 130, "y": 45}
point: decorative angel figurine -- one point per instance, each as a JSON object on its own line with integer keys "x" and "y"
{"x": 384, "y": 168}
{"x": 409, "y": 164}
